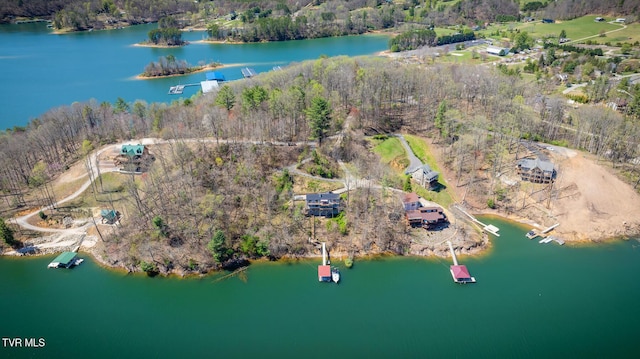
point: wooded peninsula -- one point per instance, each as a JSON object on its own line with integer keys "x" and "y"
{"x": 222, "y": 178}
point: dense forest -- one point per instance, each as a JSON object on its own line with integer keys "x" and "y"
{"x": 237, "y": 192}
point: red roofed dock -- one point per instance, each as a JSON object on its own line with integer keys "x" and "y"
{"x": 459, "y": 272}
{"x": 324, "y": 270}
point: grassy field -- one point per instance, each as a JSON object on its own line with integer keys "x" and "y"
{"x": 112, "y": 189}
{"x": 421, "y": 149}
{"x": 391, "y": 152}
{"x": 576, "y": 29}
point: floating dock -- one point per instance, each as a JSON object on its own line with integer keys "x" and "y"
{"x": 248, "y": 72}
{"x": 551, "y": 239}
{"x": 544, "y": 237}
{"x": 179, "y": 89}
{"x": 532, "y": 234}
{"x": 489, "y": 228}
{"x": 324, "y": 270}
{"x": 65, "y": 260}
{"x": 459, "y": 273}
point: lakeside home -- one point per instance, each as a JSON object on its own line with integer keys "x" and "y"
{"x": 327, "y": 204}
{"x": 536, "y": 170}
{"x": 419, "y": 215}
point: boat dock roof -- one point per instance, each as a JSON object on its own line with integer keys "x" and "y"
{"x": 324, "y": 273}
{"x": 460, "y": 274}
{"x": 65, "y": 259}
{"x": 248, "y": 72}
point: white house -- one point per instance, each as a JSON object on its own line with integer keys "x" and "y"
{"x": 498, "y": 51}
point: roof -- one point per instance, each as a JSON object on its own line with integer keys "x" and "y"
{"x": 324, "y": 271}
{"x": 413, "y": 214}
{"x": 248, "y": 72}
{"x": 65, "y": 258}
{"x": 108, "y": 213}
{"x": 497, "y": 50}
{"x": 432, "y": 216}
{"x": 410, "y": 198}
{"x": 132, "y": 150}
{"x": 208, "y": 86}
{"x": 530, "y": 164}
{"x": 214, "y": 75}
{"x": 460, "y": 272}
{"x": 312, "y": 197}
{"x": 425, "y": 171}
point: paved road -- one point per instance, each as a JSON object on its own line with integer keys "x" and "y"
{"x": 414, "y": 162}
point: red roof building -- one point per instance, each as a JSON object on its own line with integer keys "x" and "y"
{"x": 460, "y": 274}
{"x": 324, "y": 273}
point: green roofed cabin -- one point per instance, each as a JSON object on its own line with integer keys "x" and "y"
{"x": 134, "y": 158}
{"x": 65, "y": 260}
{"x": 132, "y": 150}
{"x": 108, "y": 216}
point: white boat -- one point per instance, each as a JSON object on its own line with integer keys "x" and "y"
{"x": 335, "y": 274}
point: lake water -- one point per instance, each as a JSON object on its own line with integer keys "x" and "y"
{"x": 530, "y": 301}
{"x": 41, "y": 70}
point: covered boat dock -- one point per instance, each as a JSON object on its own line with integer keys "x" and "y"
{"x": 65, "y": 260}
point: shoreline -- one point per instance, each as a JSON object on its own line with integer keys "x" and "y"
{"x": 484, "y": 248}
{"x": 206, "y": 68}
{"x": 199, "y": 69}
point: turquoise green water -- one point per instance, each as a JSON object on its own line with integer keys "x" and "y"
{"x": 41, "y": 70}
{"x": 531, "y": 301}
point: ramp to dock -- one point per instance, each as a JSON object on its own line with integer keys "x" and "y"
{"x": 486, "y": 227}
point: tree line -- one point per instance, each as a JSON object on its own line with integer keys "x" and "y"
{"x": 198, "y": 188}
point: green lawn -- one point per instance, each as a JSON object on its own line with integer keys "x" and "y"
{"x": 576, "y": 29}
{"x": 391, "y": 151}
{"x": 421, "y": 149}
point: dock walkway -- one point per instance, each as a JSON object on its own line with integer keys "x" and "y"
{"x": 486, "y": 227}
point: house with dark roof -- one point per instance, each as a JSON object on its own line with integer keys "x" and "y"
{"x": 323, "y": 204}
{"x": 426, "y": 217}
{"x": 536, "y": 170}
{"x": 420, "y": 213}
{"x": 424, "y": 175}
